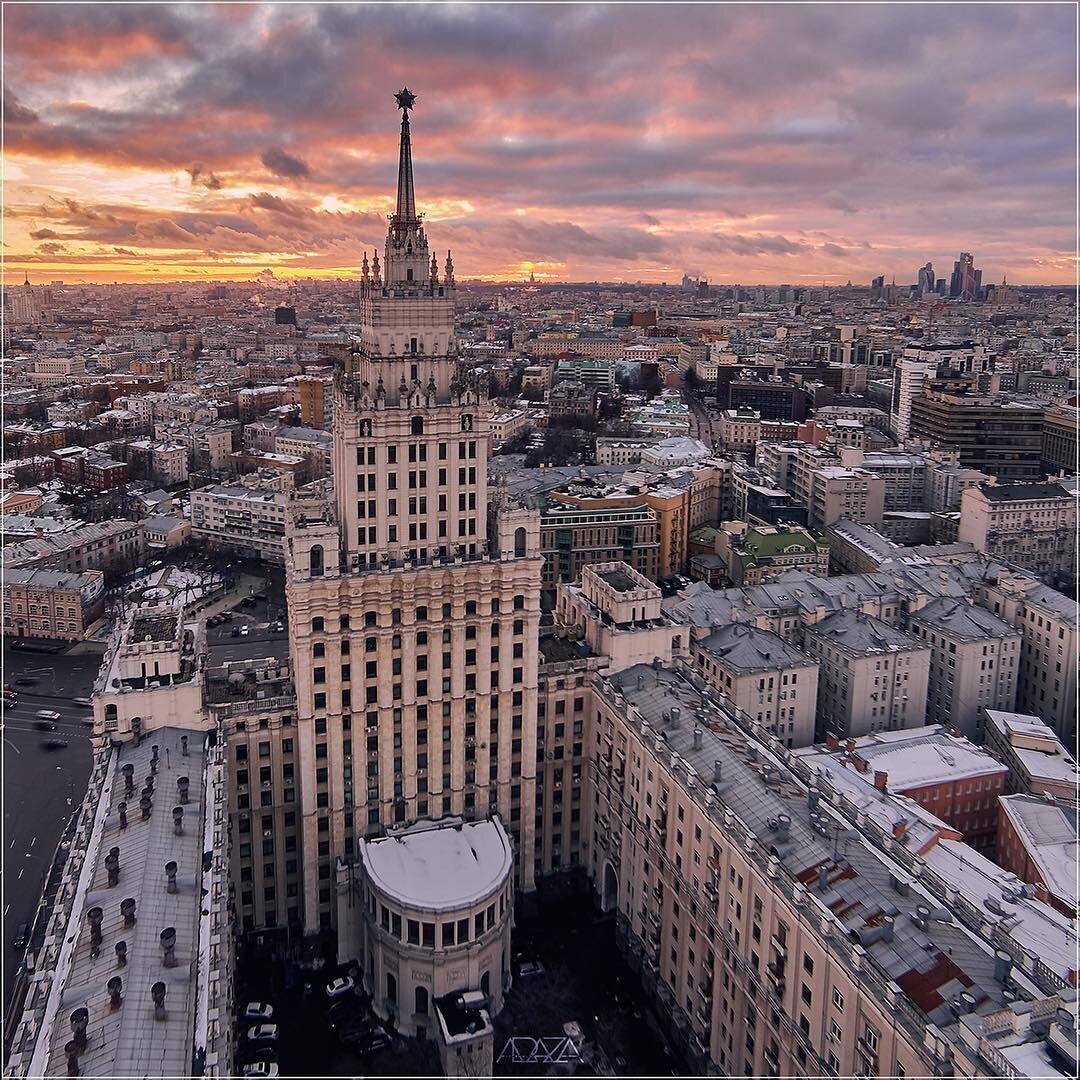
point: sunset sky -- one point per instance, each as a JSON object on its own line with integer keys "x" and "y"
{"x": 745, "y": 143}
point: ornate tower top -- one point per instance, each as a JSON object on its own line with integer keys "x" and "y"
{"x": 406, "y": 198}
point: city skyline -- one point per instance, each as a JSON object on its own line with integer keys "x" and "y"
{"x": 169, "y": 143}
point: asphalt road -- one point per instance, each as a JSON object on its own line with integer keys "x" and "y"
{"x": 41, "y": 787}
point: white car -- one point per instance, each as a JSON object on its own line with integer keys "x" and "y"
{"x": 339, "y": 986}
{"x": 258, "y": 1011}
{"x": 262, "y": 1033}
{"x": 244, "y": 631}
{"x": 262, "y": 1068}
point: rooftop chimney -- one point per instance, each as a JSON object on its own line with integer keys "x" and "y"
{"x": 121, "y": 953}
{"x": 717, "y": 770}
{"x": 178, "y": 821}
{"x": 129, "y": 779}
{"x": 183, "y": 746}
{"x": 157, "y": 992}
{"x": 168, "y": 946}
{"x": 94, "y": 916}
{"x": 145, "y": 805}
{"x": 170, "y": 874}
{"x": 112, "y": 866}
{"x": 79, "y": 1019}
{"x": 881, "y": 779}
{"x": 675, "y": 714}
{"x": 122, "y": 808}
{"x": 153, "y": 759}
{"x": 699, "y": 736}
{"x": 115, "y": 985}
{"x": 182, "y": 786}
{"x": 899, "y": 828}
{"x": 72, "y": 1057}
{"x": 127, "y": 909}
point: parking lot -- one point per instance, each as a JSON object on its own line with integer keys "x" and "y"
{"x": 319, "y": 1035}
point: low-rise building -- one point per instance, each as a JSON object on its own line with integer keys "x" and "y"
{"x": 51, "y": 604}
{"x": 944, "y": 773}
{"x": 760, "y": 553}
{"x": 1037, "y": 841}
{"x": 95, "y": 546}
{"x": 873, "y": 676}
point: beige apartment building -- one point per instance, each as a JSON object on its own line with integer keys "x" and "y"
{"x": 49, "y": 604}
{"x": 873, "y": 676}
{"x": 763, "y": 676}
{"x": 1032, "y": 526}
{"x": 827, "y": 488}
{"x": 974, "y": 662}
{"x": 413, "y": 623}
{"x": 1048, "y": 623}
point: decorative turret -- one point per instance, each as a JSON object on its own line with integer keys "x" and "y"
{"x": 449, "y": 268}
{"x": 376, "y": 274}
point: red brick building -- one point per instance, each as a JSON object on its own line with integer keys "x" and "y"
{"x": 1037, "y": 841}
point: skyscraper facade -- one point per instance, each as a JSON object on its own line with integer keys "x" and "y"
{"x": 966, "y": 281}
{"x": 414, "y": 612}
{"x": 926, "y": 280}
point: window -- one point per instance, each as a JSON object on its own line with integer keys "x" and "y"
{"x": 420, "y": 1001}
{"x": 317, "y": 625}
{"x": 838, "y": 1000}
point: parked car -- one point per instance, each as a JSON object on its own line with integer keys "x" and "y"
{"x": 278, "y": 627}
{"x": 530, "y": 967}
{"x": 261, "y": 1068}
{"x": 258, "y": 1010}
{"x": 355, "y": 1033}
{"x": 339, "y": 987}
{"x": 226, "y": 616}
{"x": 262, "y": 1033}
{"x": 375, "y": 1041}
{"x": 259, "y": 1051}
{"x": 344, "y": 1011}
{"x": 244, "y": 631}
{"x": 22, "y": 936}
{"x": 236, "y": 631}
{"x": 11, "y": 698}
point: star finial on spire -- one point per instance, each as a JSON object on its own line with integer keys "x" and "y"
{"x": 405, "y": 99}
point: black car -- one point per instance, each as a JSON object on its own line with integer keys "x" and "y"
{"x": 342, "y": 1012}
{"x": 376, "y": 1041}
{"x": 258, "y": 1051}
{"x": 22, "y": 936}
{"x": 356, "y": 1032}
{"x": 54, "y": 744}
{"x": 45, "y": 725}
{"x": 26, "y": 680}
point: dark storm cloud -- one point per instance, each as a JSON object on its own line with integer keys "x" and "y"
{"x": 282, "y": 164}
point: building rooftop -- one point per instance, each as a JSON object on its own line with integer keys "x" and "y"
{"x": 439, "y": 865}
{"x": 911, "y": 758}
{"x": 1049, "y": 832}
{"x": 963, "y": 620}
{"x": 1000, "y": 493}
{"x": 860, "y": 633}
{"x": 129, "y": 1041}
{"x": 853, "y": 886}
{"x": 749, "y": 648}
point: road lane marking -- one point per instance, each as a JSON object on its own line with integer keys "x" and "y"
{"x": 12, "y": 745}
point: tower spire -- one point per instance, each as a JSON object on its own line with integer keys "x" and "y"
{"x": 406, "y": 199}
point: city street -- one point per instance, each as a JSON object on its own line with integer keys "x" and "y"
{"x": 41, "y": 787}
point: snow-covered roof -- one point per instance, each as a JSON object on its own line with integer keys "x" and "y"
{"x": 440, "y": 865}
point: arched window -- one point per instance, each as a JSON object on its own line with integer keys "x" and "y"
{"x": 420, "y": 1001}
{"x": 519, "y": 543}
{"x": 485, "y": 984}
{"x": 391, "y": 989}
{"x": 418, "y": 425}
{"x": 316, "y": 560}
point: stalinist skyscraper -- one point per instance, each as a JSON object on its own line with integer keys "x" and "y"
{"x": 413, "y": 610}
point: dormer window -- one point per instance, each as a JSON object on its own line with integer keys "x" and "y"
{"x": 408, "y": 277}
